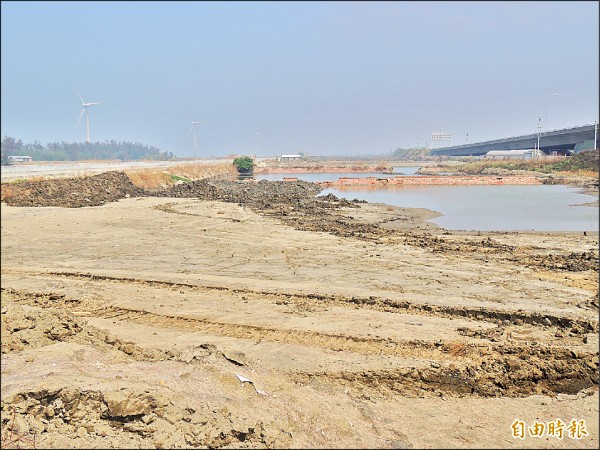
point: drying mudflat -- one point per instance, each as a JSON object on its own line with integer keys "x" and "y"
{"x": 256, "y": 315}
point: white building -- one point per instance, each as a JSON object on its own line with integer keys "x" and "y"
{"x": 290, "y": 157}
{"x": 16, "y": 159}
{"x": 512, "y": 154}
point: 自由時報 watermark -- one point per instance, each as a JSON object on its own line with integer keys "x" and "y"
{"x": 555, "y": 428}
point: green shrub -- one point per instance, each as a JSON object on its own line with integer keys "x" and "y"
{"x": 176, "y": 178}
{"x": 244, "y": 164}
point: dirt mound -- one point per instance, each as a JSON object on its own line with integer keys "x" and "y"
{"x": 28, "y": 327}
{"x": 72, "y": 192}
{"x": 261, "y": 194}
{"x": 112, "y": 186}
{"x": 126, "y": 418}
{"x": 439, "y": 245}
{"x": 295, "y": 203}
{"x": 572, "y": 262}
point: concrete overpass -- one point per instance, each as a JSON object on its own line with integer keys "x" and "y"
{"x": 562, "y": 141}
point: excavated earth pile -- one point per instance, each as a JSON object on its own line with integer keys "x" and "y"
{"x": 259, "y": 194}
{"x": 73, "y": 192}
{"x": 295, "y": 203}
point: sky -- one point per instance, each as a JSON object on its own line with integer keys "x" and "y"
{"x": 324, "y": 78}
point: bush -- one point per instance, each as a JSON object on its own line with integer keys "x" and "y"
{"x": 587, "y": 160}
{"x": 244, "y": 164}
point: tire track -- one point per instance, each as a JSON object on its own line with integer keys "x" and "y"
{"x": 560, "y": 374}
{"x": 330, "y": 342}
{"x": 499, "y": 317}
{"x": 512, "y": 370}
{"x": 456, "y": 368}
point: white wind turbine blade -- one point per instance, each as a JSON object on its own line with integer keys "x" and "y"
{"x": 191, "y": 128}
{"x": 82, "y": 102}
{"x": 80, "y": 116}
{"x": 94, "y": 103}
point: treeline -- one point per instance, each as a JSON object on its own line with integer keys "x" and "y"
{"x": 79, "y": 151}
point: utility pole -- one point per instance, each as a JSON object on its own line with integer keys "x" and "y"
{"x": 539, "y": 127}
{"x": 595, "y": 132}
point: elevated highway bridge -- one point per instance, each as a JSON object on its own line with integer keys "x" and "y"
{"x": 562, "y": 141}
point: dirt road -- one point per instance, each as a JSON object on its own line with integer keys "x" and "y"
{"x": 136, "y": 324}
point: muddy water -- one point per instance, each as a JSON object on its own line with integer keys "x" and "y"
{"x": 491, "y": 208}
{"x": 485, "y": 208}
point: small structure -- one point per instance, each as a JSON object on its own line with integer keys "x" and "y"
{"x": 289, "y": 157}
{"x": 16, "y": 159}
{"x": 583, "y": 146}
{"x": 512, "y": 154}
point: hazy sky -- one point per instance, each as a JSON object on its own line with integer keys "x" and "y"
{"x": 329, "y": 78}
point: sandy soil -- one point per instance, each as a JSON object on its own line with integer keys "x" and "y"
{"x": 130, "y": 324}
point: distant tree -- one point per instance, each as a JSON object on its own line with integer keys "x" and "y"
{"x": 10, "y": 146}
{"x": 78, "y": 151}
{"x": 244, "y": 164}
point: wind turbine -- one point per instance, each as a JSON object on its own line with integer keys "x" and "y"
{"x": 85, "y": 111}
{"x": 193, "y": 128}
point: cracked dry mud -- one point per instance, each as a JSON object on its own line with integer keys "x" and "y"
{"x": 358, "y": 325}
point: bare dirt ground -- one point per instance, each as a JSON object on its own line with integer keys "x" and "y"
{"x": 254, "y": 315}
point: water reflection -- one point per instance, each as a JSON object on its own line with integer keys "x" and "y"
{"x": 489, "y": 208}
